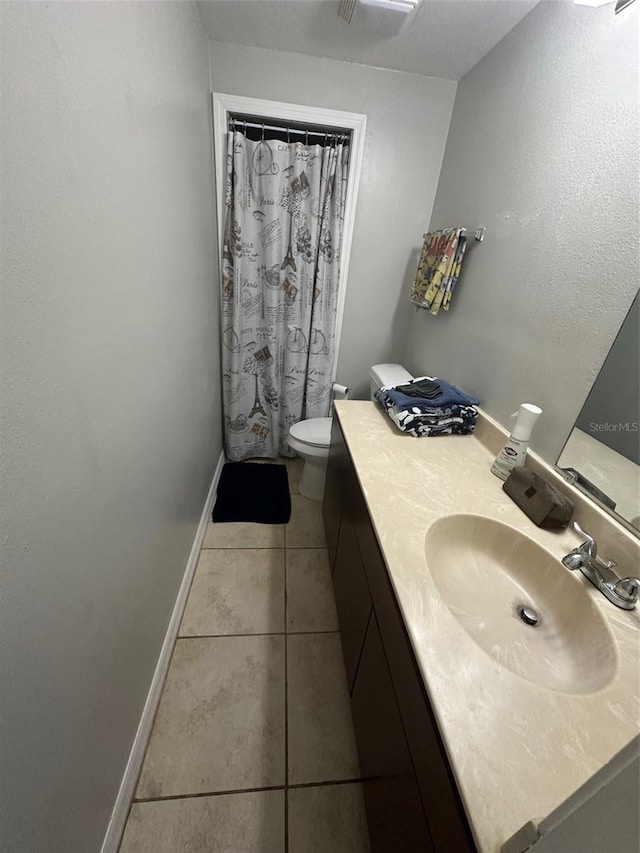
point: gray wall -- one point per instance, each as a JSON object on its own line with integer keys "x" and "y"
{"x": 543, "y": 151}
{"x": 615, "y": 396}
{"x": 407, "y": 122}
{"x": 110, "y": 403}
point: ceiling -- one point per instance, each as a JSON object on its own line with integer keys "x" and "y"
{"x": 446, "y": 38}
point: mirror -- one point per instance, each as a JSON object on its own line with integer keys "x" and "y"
{"x": 602, "y": 454}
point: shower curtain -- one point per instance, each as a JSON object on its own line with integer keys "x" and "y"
{"x": 280, "y": 273}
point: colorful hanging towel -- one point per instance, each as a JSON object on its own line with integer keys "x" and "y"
{"x": 438, "y": 269}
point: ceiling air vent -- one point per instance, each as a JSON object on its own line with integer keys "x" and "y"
{"x": 385, "y": 17}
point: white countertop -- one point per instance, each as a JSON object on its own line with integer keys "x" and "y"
{"x": 517, "y": 750}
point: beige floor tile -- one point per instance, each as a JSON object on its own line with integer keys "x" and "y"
{"x": 220, "y": 723}
{"x": 330, "y": 819}
{"x": 243, "y": 534}
{"x": 306, "y": 528}
{"x": 229, "y": 823}
{"x": 311, "y": 604}
{"x": 294, "y": 472}
{"x": 236, "y": 592}
{"x": 321, "y": 740}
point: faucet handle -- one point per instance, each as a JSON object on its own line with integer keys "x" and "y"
{"x": 589, "y": 545}
{"x": 627, "y": 588}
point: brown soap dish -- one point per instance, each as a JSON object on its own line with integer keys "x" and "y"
{"x": 543, "y": 503}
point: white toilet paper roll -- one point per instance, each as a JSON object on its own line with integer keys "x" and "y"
{"x": 340, "y": 392}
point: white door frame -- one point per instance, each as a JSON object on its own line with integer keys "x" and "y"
{"x": 356, "y": 123}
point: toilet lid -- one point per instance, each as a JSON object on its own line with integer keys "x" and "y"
{"x": 316, "y": 431}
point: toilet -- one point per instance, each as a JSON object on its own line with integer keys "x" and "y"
{"x": 311, "y": 438}
{"x": 382, "y": 375}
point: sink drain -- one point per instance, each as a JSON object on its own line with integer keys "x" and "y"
{"x": 528, "y": 615}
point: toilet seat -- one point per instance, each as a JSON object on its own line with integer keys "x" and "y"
{"x": 315, "y": 431}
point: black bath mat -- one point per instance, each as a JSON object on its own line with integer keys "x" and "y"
{"x": 252, "y": 491}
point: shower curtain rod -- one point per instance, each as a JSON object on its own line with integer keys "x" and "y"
{"x": 287, "y": 129}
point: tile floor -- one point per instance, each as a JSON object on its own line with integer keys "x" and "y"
{"x": 252, "y": 750}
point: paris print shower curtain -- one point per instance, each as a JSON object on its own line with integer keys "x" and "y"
{"x": 280, "y": 273}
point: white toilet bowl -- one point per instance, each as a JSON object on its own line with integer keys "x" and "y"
{"x": 311, "y": 439}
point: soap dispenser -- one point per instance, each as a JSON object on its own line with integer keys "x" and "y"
{"x": 514, "y": 452}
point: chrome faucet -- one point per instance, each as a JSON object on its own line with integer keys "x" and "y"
{"x": 623, "y": 592}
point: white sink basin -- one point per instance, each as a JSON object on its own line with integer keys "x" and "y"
{"x": 487, "y": 571}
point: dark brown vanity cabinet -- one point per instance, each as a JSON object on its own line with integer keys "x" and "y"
{"x": 412, "y": 801}
{"x": 353, "y": 601}
{"x": 394, "y": 810}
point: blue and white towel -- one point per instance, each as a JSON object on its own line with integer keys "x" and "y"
{"x": 451, "y": 411}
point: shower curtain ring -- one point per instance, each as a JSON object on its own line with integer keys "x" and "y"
{"x": 306, "y": 137}
{"x": 262, "y": 131}
{"x": 288, "y": 135}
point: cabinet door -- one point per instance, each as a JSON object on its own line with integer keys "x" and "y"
{"x": 397, "y": 823}
{"x": 338, "y": 468}
{"x": 353, "y": 602}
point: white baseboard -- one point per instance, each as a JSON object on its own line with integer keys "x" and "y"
{"x": 120, "y": 812}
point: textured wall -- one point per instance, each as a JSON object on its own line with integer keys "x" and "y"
{"x": 543, "y": 151}
{"x": 110, "y": 409}
{"x": 407, "y": 122}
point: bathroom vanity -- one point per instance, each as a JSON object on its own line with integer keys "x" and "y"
{"x": 467, "y": 726}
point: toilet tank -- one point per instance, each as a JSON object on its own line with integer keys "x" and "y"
{"x": 387, "y": 374}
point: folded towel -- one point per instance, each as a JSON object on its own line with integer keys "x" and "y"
{"x": 421, "y": 419}
{"x": 424, "y": 388}
{"x": 449, "y": 395}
